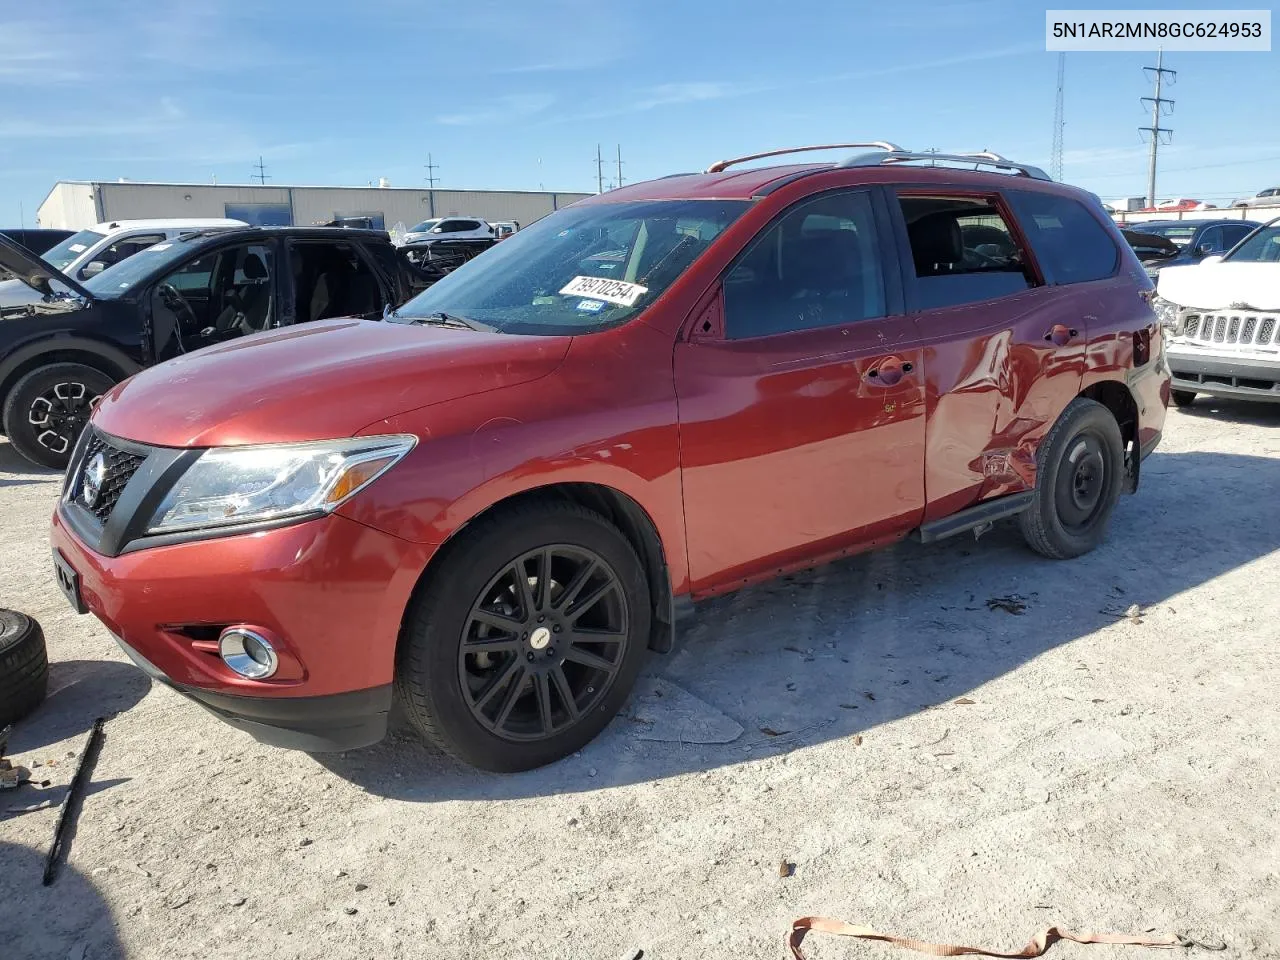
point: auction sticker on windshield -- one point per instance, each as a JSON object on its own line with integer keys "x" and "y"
{"x": 602, "y": 288}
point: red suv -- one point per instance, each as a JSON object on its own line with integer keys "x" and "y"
{"x": 495, "y": 499}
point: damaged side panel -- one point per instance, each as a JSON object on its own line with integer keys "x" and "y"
{"x": 998, "y": 374}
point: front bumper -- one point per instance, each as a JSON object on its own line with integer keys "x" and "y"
{"x": 331, "y": 592}
{"x": 1222, "y": 376}
{"x": 341, "y": 721}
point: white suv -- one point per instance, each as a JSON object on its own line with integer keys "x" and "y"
{"x": 449, "y": 228}
{"x": 1222, "y": 321}
{"x": 87, "y": 253}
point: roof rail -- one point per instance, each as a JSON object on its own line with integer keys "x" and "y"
{"x": 722, "y": 165}
{"x": 983, "y": 158}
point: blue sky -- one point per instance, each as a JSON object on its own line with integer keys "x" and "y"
{"x": 516, "y": 95}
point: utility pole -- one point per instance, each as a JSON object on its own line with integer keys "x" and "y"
{"x": 619, "y": 164}
{"x": 262, "y": 175}
{"x": 599, "y": 170}
{"x": 1157, "y": 110}
{"x": 1055, "y": 158}
{"x": 432, "y": 167}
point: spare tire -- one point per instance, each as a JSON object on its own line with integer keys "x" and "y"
{"x": 24, "y": 666}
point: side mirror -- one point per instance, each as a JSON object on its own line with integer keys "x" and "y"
{"x": 387, "y": 310}
{"x": 92, "y": 269}
{"x": 1216, "y": 258}
{"x": 1205, "y": 249}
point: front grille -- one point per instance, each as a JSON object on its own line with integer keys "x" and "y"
{"x": 120, "y": 468}
{"x": 1243, "y": 329}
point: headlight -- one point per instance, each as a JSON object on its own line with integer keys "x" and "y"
{"x": 237, "y": 485}
{"x": 1167, "y": 312}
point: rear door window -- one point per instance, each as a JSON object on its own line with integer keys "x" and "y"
{"x": 333, "y": 280}
{"x": 1069, "y": 241}
{"x": 962, "y": 251}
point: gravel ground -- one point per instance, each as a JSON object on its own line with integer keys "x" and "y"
{"x": 1109, "y": 773}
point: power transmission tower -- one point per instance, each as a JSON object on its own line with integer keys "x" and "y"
{"x": 1055, "y": 159}
{"x": 432, "y": 167}
{"x": 262, "y": 176}
{"x": 1155, "y": 131}
{"x": 599, "y": 170}
{"x": 619, "y": 164}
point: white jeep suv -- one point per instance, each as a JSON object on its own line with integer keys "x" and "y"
{"x": 1222, "y": 321}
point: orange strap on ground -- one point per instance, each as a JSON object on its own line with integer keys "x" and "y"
{"x": 1034, "y": 948}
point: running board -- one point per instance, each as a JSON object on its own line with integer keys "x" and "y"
{"x": 977, "y": 518}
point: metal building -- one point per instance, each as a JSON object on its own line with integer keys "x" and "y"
{"x": 76, "y": 204}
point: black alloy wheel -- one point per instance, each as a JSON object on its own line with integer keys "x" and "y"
{"x": 526, "y": 635}
{"x": 543, "y": 642}
{"x": 46, "y": 411}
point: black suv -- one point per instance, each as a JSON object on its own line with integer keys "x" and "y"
{"x": 58, "y": 355}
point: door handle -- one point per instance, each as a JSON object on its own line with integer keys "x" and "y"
{"x": 888, "y": 371}
{"x": 1060, "y": 334}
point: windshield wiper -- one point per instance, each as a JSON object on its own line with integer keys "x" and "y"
{"x": 441, "y": 319}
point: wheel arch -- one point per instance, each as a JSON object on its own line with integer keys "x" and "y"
{"x": 1117, "y": 397}
{"x": 620, "y": 509}
{"x": 114, "y": 363}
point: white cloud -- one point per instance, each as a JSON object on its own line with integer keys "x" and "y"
{"x": 502, "y": 110}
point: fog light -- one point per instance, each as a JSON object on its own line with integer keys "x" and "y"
{"x": 248, "y": 653}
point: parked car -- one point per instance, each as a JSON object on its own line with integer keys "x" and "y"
{"x": 1193, "y": 240}
{"x": 504, "y": 228}
{"x": 1222, "y": 319}
{"x": 87, "y": 253}
{"x": 38, "y": 241}
{"x": 76, "y": 340}
{"x": 449, "y": 228}
{"x": 1263, "y": 198}
{"x": 1178, "y": 204}
{"x": 498, "y": 498}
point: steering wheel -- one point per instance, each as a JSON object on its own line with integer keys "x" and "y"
{"x": 983, "y": 259}
{"x": 181, "y": 309}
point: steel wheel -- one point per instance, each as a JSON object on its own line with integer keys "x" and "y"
{"x": 543, "y": 642}
{"x": 1081, "y": 482}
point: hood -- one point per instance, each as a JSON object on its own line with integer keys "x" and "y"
{"x": 318, "y": 381}
{"x": 1222, "y": 285}
{"x": 19, "y": 263}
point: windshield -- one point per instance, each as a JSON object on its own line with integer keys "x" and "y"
{"x": 70, "y": 249}
{"x": 424, "y": 226}
{"x": 128, "y": 272}
{"x": 1178, "y": 233}
{"x": 580, "y": 270}
{"x": 1261, "y": 246}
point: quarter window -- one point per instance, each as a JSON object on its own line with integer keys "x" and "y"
{"x": 962, "y": 251}
{"x": 1072, "y": 245}
{"x": 818, "y": 266}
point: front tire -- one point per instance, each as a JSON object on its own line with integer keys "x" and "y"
{"x": 1182, "y": 398}
{"x": 1079, "y": 476}
{"x": 48, "y": 408}
{"x": 526, "y": 641}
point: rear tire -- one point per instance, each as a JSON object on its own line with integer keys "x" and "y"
{"x": 506, "y": 674}
{"x": 24, "y": 666}
{"x": 1183, "y": 398}
{"x": 1079, "y": 477}
{"x": 49, "y": 407}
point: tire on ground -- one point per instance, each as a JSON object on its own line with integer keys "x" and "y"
{"x": 427, "y": 673}
{"x": 24, "y": 666}
{"x": 17, "y": 408}
{"x": 1183, "y": 398}
{"x": 1084, "y": 423}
